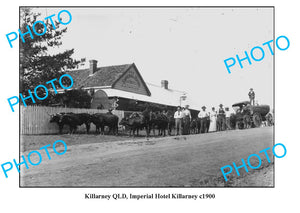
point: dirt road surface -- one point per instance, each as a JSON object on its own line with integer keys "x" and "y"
{"x": 191, "y": 161}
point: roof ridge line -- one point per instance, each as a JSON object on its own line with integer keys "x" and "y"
{"x": 86, "y": 69}
{"x": 168, "y": 88}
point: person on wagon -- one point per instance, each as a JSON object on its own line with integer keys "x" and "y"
{"x": 251, "y": 95}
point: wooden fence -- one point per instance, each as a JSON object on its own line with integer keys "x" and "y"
{"x": 35, "y": 119}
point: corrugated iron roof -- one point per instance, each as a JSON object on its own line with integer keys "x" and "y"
{"x": 158, "y": 95}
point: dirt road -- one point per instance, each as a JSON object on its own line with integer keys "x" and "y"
{"x": 193, "y": 160}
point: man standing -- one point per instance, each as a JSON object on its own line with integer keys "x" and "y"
{"x": 186, "y": 120}
{"x": 203, "y": 115}
{"x": 178, "y": 121}
{"x": 227, "y": 115}
{"x": 221, "y": 121}
{"x": 251, "y": 95}
{"x": 221, "y": 110}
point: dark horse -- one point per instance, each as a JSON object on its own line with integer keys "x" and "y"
{"x": 71, "y": 119}
{"x": 146, "y": 120}
{"x": 134, "y": 123}
{"x": 171, "y": 121}
{"x": 160, "y": 121}
{"x": 137, "y": 121}
{"x": 100, "y": 120}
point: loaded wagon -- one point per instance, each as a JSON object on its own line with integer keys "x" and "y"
{"x": 250, "y": 116}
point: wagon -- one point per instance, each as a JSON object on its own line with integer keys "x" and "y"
{"x": 250, "y": 116}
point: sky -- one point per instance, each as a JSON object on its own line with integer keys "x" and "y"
{"x": 186, "y": 46}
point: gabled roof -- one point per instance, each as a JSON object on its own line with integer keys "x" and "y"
{"x": 104, "y": 76}
{"x": 140, "y": 77}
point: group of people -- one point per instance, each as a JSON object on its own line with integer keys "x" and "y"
{"x": 183, "y": 118}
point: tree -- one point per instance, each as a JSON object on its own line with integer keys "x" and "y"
{"x": 76, "y": 98}
{"x": 37, "y": 65}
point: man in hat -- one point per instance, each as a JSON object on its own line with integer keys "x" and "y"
{"x": 221, "y": 110}
{"x": 186, "y": 120}
{"x": 178, "y": 120}
{"x": 203, "y": 115}
{"x": 251, "y": 95}
{"x": 186, "y": 111}
{"x": 221, "y": 120}
{"x": 227, "y": 115}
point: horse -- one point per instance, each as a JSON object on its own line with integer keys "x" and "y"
{"x": 160, "y": 121}
{"x": 193, "y": 126}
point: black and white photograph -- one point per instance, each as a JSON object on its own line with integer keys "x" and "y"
{"x": 147, "y": 96}
{"x": 149, "y": 106}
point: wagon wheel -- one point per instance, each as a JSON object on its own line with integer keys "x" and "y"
{"x": 247, "y": 121}
{"x": 232, "y": 124}
{"x": 269, "y": 119}
{"x": 257, "y": 120}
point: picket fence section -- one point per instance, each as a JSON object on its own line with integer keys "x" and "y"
{"x": 36, "y": 119}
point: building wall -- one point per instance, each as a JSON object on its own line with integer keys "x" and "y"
{"x": 131, "y": 82}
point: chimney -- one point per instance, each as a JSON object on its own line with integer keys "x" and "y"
{"x": 93, "y": 66}
{"x": 164, "y": 84}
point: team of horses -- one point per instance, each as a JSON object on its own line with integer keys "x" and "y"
{"x": 164, "y": 122}
{"x": 73, "y": 120}
{"x": 148, "y": 120}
